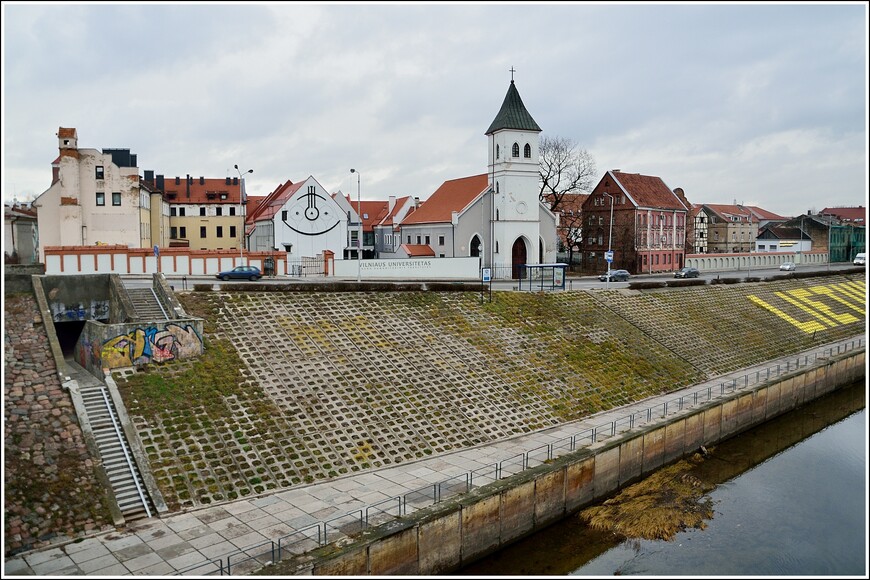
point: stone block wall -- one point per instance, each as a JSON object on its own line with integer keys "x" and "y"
{"x": 51, "y": 488}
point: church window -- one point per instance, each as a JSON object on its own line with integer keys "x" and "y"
{"x": 515, "y": 150}
{"x": 527, "y": 151}
{"x": 496, "y": 247}
{"x": 496, "y": 214}
{"x": 496, "y": 187}
{"x": 497, "y": 152}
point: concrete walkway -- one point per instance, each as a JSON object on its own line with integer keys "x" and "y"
{"x": 198, "y": 542}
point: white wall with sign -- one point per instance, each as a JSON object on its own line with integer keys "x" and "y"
{"x": 410, "y": 269}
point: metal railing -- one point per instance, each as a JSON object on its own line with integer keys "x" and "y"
{"x": 390, "y": 509}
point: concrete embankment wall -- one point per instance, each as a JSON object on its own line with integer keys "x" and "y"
{"x": 450, "y": 535}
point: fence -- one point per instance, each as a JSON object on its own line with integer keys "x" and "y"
{"x": 322, "y": 533}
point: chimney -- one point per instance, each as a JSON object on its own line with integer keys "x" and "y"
{"x": 187, "y": 185}
{"x": 228, "y": 180}
{"x": 416, "y": 202}
{"x": 391, "y": 203}
{"x": 235, "y": 180}
{"x": 149, "y": 176}
{"x": 159, "y": 183}
{"x": 201, "y": 180}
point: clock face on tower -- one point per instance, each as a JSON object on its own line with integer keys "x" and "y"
{"x": 311, "y": 214}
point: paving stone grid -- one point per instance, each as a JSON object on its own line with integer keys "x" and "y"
{"x": 349, "y": 383}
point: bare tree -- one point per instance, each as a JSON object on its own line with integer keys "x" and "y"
{"x": 565, "y": 169}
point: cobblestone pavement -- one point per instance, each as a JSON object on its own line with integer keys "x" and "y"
{"x": 199, "y": 541}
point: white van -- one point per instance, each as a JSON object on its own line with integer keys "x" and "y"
{"x": 860, "y": 259}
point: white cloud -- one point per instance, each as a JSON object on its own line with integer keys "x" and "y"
{"x": 728, "y": 101}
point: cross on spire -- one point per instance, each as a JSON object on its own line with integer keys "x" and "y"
{"x": 513, "y": 70}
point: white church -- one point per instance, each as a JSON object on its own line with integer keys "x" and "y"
{"x": 496, "y": 216}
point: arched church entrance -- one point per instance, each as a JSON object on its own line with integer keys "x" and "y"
{"x": 475, "y": 247}
{"x": 518, "y": 254}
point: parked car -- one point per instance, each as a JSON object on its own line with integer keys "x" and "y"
{"x": 687, "y": 272}
{"x": 860, "y": 259}
{"x": 615, "y": 276}
{"x": 788, "y": 266}
{"x": 251, "y": 273}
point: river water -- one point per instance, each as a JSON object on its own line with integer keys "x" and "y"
{"x": 790, "y": 500}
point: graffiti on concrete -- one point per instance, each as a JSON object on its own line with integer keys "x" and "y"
{"x": 151, "y": 344}
{"x": 96, "y": 310}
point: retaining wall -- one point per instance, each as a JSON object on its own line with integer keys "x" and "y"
{"x": 453, "y": 534}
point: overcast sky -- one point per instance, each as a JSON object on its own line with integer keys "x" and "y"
{"x": 763, "y": 104}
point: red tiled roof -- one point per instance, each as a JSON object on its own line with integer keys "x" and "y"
{"x": 267, "y": 208}
{"x": 647, "y": 190}
{"x": 375, "y": 210}
{"x": 388, "y": 219}
{"x": 763, "y": 214}
{"x": 66, "y": 133}
{"x": 727, "y": 211}
{"x": 418, "y": 250}
{"x": 253, "y": 203}
{"x": 453, "y": 195}
{"x": 847, "y": 214}
{"x": 202, "y": 191}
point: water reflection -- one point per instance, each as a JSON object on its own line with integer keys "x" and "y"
{"x": 791, "y": 500}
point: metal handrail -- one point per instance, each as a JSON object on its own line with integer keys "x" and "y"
{"x": 123, "y": 443}
{"x": 635, "y": 419}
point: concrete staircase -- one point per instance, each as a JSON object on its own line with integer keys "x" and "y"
{"x": 147, "y": 304}
{"x": 124, "y": 477}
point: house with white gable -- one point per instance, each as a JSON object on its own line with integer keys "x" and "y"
{"x": 496, "y": 216}
{"x": 301, "y": 219}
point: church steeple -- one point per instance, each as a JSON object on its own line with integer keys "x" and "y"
{"x": 513, "y": 114}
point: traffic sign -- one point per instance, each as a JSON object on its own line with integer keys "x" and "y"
{"x": 608, "y": 255}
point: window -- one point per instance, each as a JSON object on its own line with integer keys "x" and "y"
{"x": 218, "y": 210}
{"x": 202, "y": 210}
{"x": 181, "y": 211}
{"x": 99, "y": 172}
{"x": 496, "y": 214}
{"x": 183, "y": 231}
{"x": 232, "y": 210}
{"x": 441, "y": 241}
{"x": 101, "y": 198}
{"x": 220, "y": 231}
{"x": 418, "y": 240}
{"x": 515, "y": 150}
{"x": 223, "y": 196}
{"x": 232, "y": 231}
{"x": 496, "y": 247}
{"x": 427, "y": 240}
{"x": 173, "y": 233}
{"x": 497, "y": 151}
{"x": 600, "y": 220}
{"x": 409, "y": 240}
{"x": 440, "y": 255}
{"x": 527, "y": 151}
{"x": 202, "y": 233}
{"x": 496, "y": 187}
{"x": 284, "y": 215}
{"x": 116, "y": 198}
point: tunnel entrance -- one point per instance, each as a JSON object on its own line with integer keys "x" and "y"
{"x": 68, "y": 334}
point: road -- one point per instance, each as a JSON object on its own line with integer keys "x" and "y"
{"x": 181, "y": 283}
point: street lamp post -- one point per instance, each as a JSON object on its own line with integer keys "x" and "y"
{"x": 242, "y": 231}
{"x": 360, "y": 231}
{"x": 609, "y": 241}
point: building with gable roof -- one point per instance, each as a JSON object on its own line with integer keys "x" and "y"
{"x": 496, "y": 216}
{"x": 647, "y": 233}
{"x": 97, "y": 197}
{"x": 387, "y": 232}
{"x": 20, "y": 234}
{"x": 205, "y": 213}
{"x": 727, "y": 228}
{"x": 301, "y": 219}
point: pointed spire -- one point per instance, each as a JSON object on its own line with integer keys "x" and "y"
{"x": 513, "y": 113}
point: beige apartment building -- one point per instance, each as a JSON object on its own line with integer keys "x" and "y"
{"x": 96, "y": 198}
{"x": 204, "y": 213}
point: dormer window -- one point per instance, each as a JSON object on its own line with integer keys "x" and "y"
{"x": 527, "y": 151}
{"x": 515, "y": 150}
